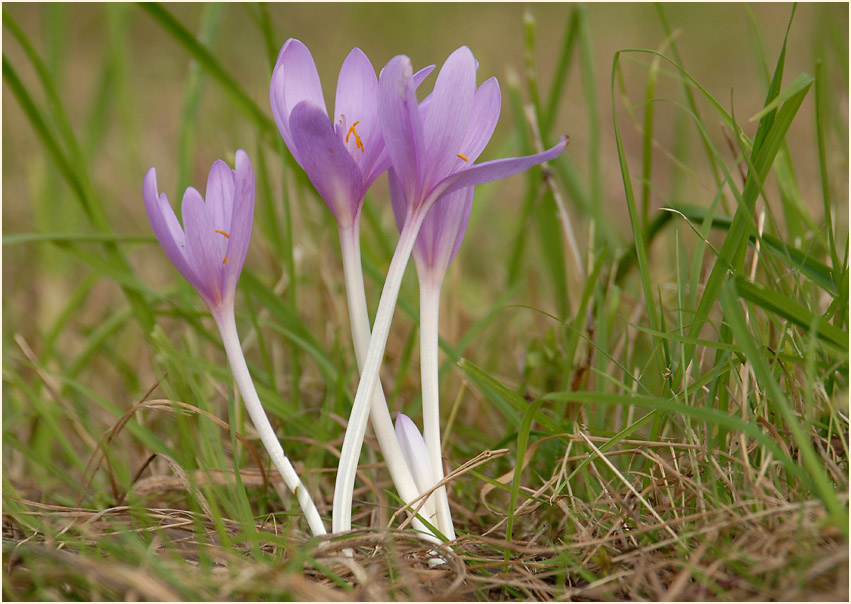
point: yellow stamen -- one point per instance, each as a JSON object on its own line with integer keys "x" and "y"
{"x": 462, "y": 156}
{"x": 225, "y": 260}
{"x": 222, "y": 233}
{"x": 358, "y": 142}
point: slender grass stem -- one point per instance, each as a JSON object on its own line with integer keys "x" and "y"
{"x": 429, "y": 367}
{"x": 344, "y": 486}
{"x": 227, "y": 327}
{"x": 378, "y": 413}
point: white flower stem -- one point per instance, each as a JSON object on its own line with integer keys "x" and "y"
{"x": 227, "y": 327}
{"x": 352, "y": 441}
{"x": 429, "y": 327}
{"x": 379, "y": 413}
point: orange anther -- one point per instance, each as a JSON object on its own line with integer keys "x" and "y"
{"x": 225, "y": 260}
{"x": 222, "y": 233}
{"x": 358, "y": 142}
{"x": 462, "y": 156}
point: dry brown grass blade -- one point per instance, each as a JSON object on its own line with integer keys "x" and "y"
{"x": 159, "y": 405}
{"x": 629, "y": 486}
{"x": 406, "y": 552}
{"x": 415, "y": 505}
{"x": 132, "y": 583}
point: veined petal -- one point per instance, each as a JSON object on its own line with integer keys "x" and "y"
{"x": 327, "y": 162}
{"x": 414, "y": 451}
{"x": 419, "y": 77}
{"x": 400, "y": 205}
{"x": 240, "y": 220}
{"x": 294, "y": 80}
{"x": 356, "y": 110}
{"x": 401, "y": 124}
{"x": 166, "y": 226}
{"x": 203, "y": 247}
{"x": 442, "y": 232}
{"x": 495, "y": 170}
{"x": 448, "y": 118}
{"x": 219, "y": 195}
{"x": 486, "y": 106}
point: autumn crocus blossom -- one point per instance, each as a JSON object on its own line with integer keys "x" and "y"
{"x": 342, "y": 159}
{"x": 432, "y": 149}
{"x": 209, "y": 251}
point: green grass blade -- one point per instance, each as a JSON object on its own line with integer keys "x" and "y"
{"x": 522, "y": 444}
{"x": 209, "y": 63}
{"x": 211, "y": 18}
{"x": 775, "y": 302}
{"x": 777, "y": 398}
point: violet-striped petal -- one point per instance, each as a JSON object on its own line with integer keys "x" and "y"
{"x": 495, "y": 170}
{"x": 166, "y": 227}
{"x": 219, "y": 195}
{"x": 203, "y": 246}
{"x": 448, "y": 117}
{"x": 355, "y": 110}
{"x": 401, "y": 124}
{"x": 442, "y": 232}
{"x": 294, "y": 80}
{"x": 485, "y": 115}
{"x": 400, "y": 205}
{"x": 327, "y": 162}
{"x": 241, "y": 219}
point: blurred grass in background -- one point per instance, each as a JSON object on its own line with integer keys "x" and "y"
{"x": 710, "y": 422}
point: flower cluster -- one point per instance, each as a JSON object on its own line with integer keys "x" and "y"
{"x": 429, "y": 150}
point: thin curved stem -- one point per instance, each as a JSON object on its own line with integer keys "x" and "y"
{"x": 429, "y": 327}
{"x": 379, "y": 413}
{"x": 352, "y": 441}
{"x": 227, "y": 327}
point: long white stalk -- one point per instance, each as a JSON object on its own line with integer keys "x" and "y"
{"x": 227, "y": 327}
{"x": 429, "y": 322}
{"x": 379, "y": 413}
{"x": 352, "y": 441}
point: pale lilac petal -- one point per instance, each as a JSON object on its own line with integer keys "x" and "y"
{"x": 240, "y": 221}
{"x": 219, "y": 194}
{"x": 448, "y": 118}
{"x": 486, "y": 107}
{"x": 414, "y": 451}
{"x": 495, "y": 170}
{"x": 442, "y": 232}
{"x": 203, "y": 247}
{"x": 419, "y": 77}
{"x": 397, "y": 199}
{"x": 294, "y": 80}
{"x": 400, "y": 123}
{"x": 165, "y": 225}
{"x": 327, "y": 162}
{"x": 357, "y": 88}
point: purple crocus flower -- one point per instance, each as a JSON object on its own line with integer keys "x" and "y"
{"x": 342, "y": 159}
{"x": 210, "y": 249}
{"x": 343, "y": 155}
{"x": 432, "y": 149}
